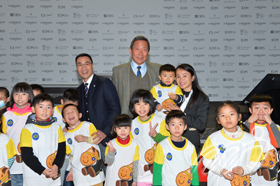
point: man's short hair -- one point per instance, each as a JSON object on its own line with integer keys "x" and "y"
{"x": 137, "y": 38}
{"x": 175, "y": 114}
{"x": 5, "y": 90}
{"x": 83, "y": 55}
{"x": 257, "y": 98}
{"x": 167, "y": 67}
{"x": 71, "y": 95}
{"x": 41, "y": 98}
{"x": 37, "y": 87}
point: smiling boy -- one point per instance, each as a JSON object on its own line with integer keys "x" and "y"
{"x": 42, "y": 145}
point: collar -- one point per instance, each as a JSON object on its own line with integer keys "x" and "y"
{"x": 123, "y": 142}
{"x": 134, "y": 67}
{"x": 32, "y": 120}
{"x": 20, "y": 111}
{"x": 89, "y": 80}
{"x": 262, "y": 123}
{"x": 164, "y": 85}
{"x": 38, "y": 120}
{"x": 234, "y": 135}
{"x": 186, "y": 93}
{"x": 76, "y": 125}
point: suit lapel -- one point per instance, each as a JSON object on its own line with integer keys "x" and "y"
{"x": 92, "y": 87}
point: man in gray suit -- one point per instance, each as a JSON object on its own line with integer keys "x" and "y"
{"x": 136, "y": 74}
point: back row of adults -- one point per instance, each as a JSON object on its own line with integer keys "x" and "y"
{"x": 103, "y": 99}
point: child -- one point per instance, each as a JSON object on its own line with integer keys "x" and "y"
{"x": 175, "y": 157}
{"x": 14, "y": 120}
{"x": 267, "y": 133}
{"x": 42, "y": 144}
{"x": 4, "y": 99}
{"x": 230, "y": 154}
{"x": 166, "y": 89}
{"x": 37, "y": 89}
{"x": 7, "y": 156}
{"x": 69, "y": 96}
{"x": 121, "y": 154}
{"x": 86, "y": 162}
{"x": 146, "y": 132}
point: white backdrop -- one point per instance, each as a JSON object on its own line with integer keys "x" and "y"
{"x": 232, "y": 44}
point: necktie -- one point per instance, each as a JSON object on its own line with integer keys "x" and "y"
{"x": 86, "y": 89}
{"x": 138, "y": 71}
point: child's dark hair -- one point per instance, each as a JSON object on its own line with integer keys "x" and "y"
{"x": 257, "y": 98}
{"x": 41, "y": 98}
{"x": 147, "y": 98}
{"x": 225, "y": 103}
{"x": 122, "y": 120}
{"x": 22, "y": 87}
{"x": 175, "y": 114}
{"x": 68, "y": 105}
{"x": 37, "y": 87}
{"x": 168, "y": 68}
{"x": 6, "y": 91}
{"x": 71, "y": 95}
{"x": 1, "y": 113}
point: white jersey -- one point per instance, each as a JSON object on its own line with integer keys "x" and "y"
{"x": 140, "y": 131}
{"x": 86, "y": 157}
{"x": 58, "y": 117}
{"x": 262, "y": 135}
{"x": 175, "y": 161}
{"x": 122, "y": 168}
{"x": 44, "y": 142}
{"x": 8, "y": 151}
{"x": 229, "y": 153}
{"x": 13, "y": 123}
{"x": 160, "y": 93}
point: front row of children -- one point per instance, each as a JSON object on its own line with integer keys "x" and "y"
{"x": 143, "y": 152}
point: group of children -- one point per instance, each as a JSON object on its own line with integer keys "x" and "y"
{"x": 35, "y": 136}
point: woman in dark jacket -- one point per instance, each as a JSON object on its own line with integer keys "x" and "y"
{"x": 195, "y": 105}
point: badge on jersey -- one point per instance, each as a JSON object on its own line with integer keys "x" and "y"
{"x": 159, "y": 93}
{"x": 169, "y": 156}
{"x": 55, "y": 119}
{"x": 136, "y": 131}
{"x": 35, "y": 136}
{"x": 69, "y": 141}
{"x": 10, "y": 122}
{"x": 222, "y": 148}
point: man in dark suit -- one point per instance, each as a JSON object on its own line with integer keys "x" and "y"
{"x": 99, "y": 100}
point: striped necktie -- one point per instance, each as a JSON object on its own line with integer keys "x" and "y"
{"x": 86, "y": 89}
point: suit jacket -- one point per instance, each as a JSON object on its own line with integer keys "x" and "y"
{"x": 196, "y": 118}
{"x": 103, "y": 104}
{"x": 121, "y": 79}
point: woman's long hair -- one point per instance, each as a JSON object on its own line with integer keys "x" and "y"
{"x": 195, "y": 85}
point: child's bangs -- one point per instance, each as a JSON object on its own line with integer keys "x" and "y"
{"x": 124, "y": 124}
{"x": 21, "y": 88}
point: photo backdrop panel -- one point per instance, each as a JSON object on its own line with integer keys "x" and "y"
{"x": 231, "y": 44}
